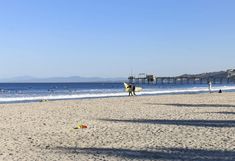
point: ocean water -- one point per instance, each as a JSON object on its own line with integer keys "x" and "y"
{"x": 27, "y": 92}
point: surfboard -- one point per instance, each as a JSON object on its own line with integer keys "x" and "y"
{"x": 127, "y": 89}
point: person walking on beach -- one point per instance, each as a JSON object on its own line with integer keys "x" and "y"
{"x": 129, "y": 87}
{"x": 209, "y": 86}
{"x": 133, "y": 89}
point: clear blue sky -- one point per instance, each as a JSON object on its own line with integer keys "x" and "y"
{"x": 111, "y": 38}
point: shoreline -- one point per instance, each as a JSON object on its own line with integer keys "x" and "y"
{"x": 45, "y": 98}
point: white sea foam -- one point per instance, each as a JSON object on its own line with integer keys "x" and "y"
{"x": 189, "y": 90}
{"x": 60, "y": 97}
{"x": 116, "y": 94}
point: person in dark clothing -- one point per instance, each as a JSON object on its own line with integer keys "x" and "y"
{"x": 133, "y": 89}
{"x": 220, "y": 91}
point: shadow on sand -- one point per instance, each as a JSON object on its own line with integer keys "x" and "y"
{"x": 224, "y": 112}
{"x": 191, "y": 105}
{"x": 161, "y": 154}
{"x": 200, "y": 123}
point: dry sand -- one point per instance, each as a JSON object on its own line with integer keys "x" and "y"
{"x": 171, "y": 127}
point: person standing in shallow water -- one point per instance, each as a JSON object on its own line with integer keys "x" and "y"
{"x": 209, "y": 86}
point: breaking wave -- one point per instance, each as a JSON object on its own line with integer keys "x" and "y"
{"x": 110, "y": 93}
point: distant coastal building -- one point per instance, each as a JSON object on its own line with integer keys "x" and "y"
{"x": 142, "y": 78}
{"x": 203, "y": 78}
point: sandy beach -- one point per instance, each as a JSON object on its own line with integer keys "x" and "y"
{"x": 169, "y": 127}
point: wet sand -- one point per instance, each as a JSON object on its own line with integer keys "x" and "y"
{"x": 170, "y": 127}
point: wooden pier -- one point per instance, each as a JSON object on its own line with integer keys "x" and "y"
{"x": 227, "y": 78}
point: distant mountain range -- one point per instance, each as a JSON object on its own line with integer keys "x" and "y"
{"x": 29, "y": 79}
